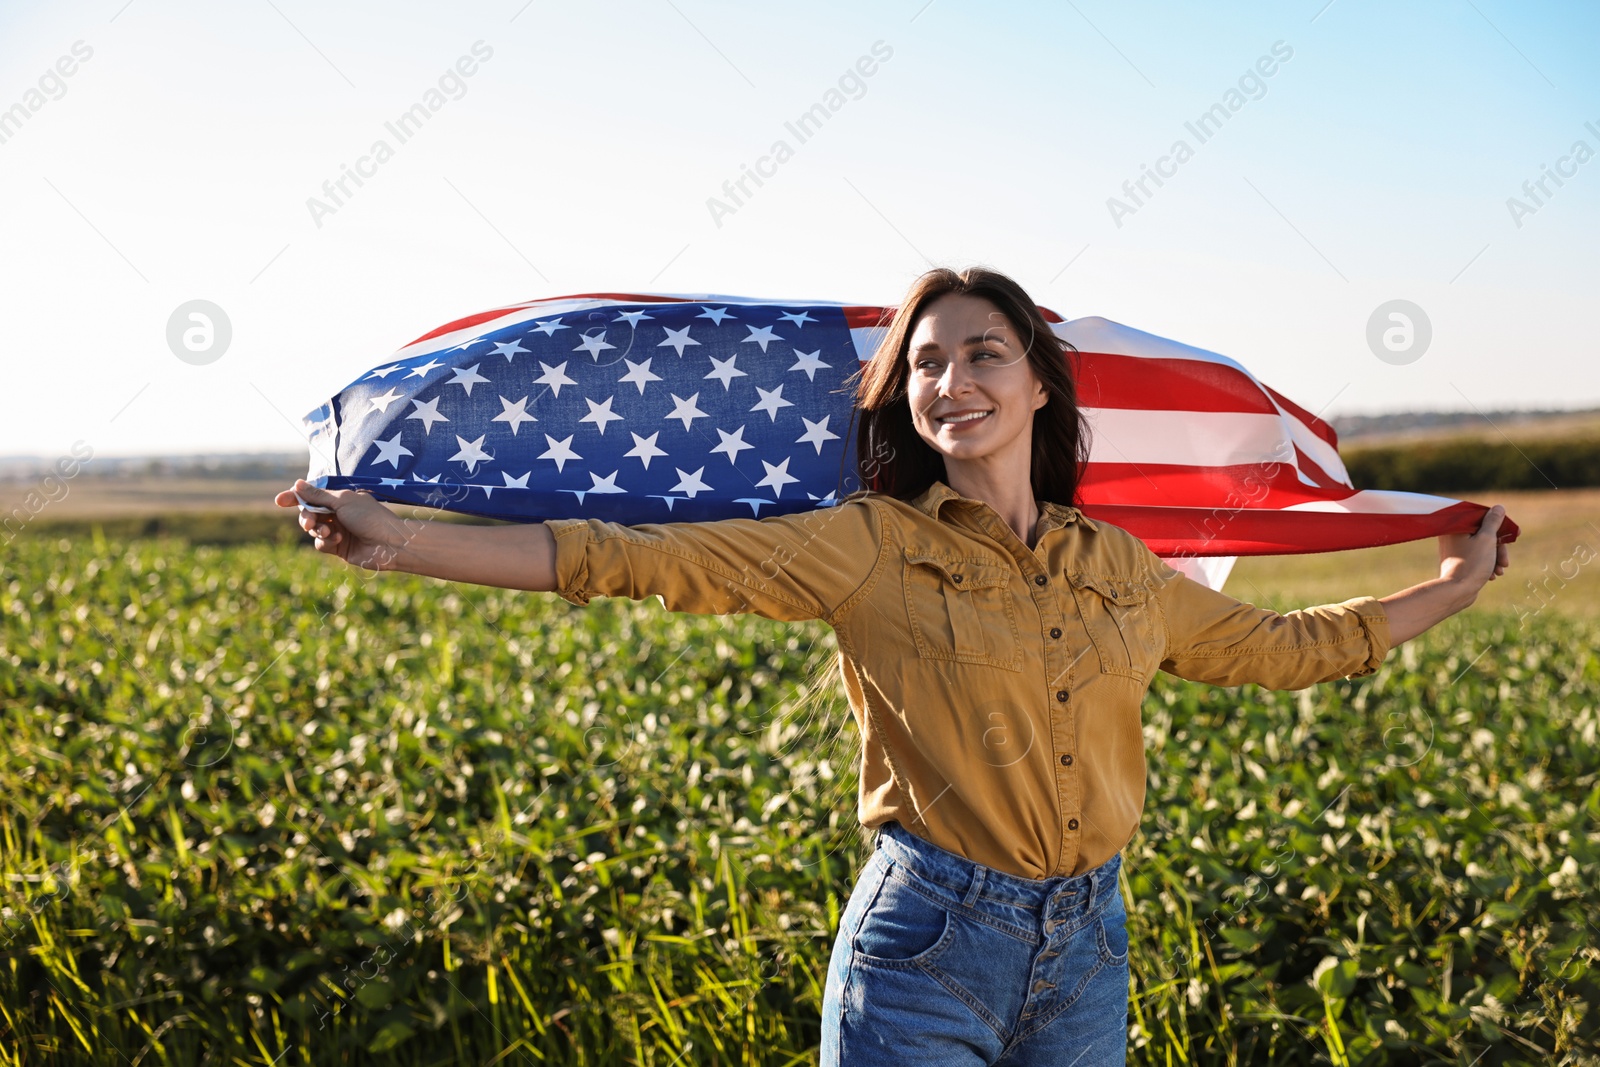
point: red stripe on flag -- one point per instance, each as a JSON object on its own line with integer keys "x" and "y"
{"x": 1314, "y": 424}
{"x": 485, "y": 316}
{"x": 1314, "y": 471}
{"x": 861, "y": 318}
{"x": 1179, "y": 532}
{"x": 1154, "y": 383}
{"x": 1259, "y": 485}
{"x": 462, "y": 324}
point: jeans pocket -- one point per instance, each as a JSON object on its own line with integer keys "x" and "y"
{"x": 903, "y": 927}
{"x": 1113, "y": 925}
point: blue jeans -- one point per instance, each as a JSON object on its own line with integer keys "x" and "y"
{"x": 942, "y": 961}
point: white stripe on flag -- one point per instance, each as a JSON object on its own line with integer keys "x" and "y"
{"x": 1186, "y": 438}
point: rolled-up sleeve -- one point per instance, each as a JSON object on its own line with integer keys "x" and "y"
{"x": 806, "y": 565}
{"x": 1211, "y": 637}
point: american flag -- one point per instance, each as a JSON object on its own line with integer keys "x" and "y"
{"x": 659, "y": 408}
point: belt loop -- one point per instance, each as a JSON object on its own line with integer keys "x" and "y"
{"x": 978, "y": 872}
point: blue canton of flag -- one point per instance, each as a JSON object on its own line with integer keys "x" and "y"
{"x": 667, "y": 410}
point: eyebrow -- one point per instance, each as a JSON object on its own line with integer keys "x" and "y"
{"x": 976, "y": 339}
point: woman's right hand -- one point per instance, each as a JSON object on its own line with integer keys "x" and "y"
{"x": 361, "y": 531}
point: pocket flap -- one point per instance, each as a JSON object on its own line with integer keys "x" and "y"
{"x": 1117, "y": 590}
{"x": 964, "y": 572}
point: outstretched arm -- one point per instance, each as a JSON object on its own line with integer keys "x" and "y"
{"x": 1466, "y": 563}
{"x": 364, "y": 533}
{"x": 1214, "y": 638}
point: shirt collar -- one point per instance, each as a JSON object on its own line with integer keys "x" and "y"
{"x": 933, "y": 498}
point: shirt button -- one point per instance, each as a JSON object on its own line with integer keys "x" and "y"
{"x": 1055, "y": 631}
{"x": 1039, "y": 579}
{"x": 1061, "y": 695}
{"x": 1072, "y": 824}
{"x": 1066, "y": 760}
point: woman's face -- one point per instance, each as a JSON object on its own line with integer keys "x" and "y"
{"x": 971, "y": 388}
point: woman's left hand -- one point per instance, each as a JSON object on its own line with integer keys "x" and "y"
{"x": 1474, "y": 559}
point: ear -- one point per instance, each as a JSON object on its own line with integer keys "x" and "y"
{"x": 1041, "y": 395}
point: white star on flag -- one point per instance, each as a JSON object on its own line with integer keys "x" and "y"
{"x": 608, "y": 484}
{"x": 467, "y": 377}
{"x": 555, "y": 377}
{"x": 645, "y": 448}
{"x": 549, "y": 328}
{"x": 762, "y": 337}
{"x": 686, "y": 410}
{"x": 381, "y": 403}
{"x": 798, "y": 318}
{"x": 472, "y": 452}
{"x": 678, "y": 339}
{"x": 594, "y": 345}
{"x": 732, "y": 443}
{"x": 383, "y": 372}
{"x": 514, "y": 413}
{"x": 639, "y": 373}
{"x": 726, "y": 372}
{"x": 428, "y": 413}
{"x": 777, "y": 476}
{"x": 600, "y": 414}
{"x": 509, "y": 348}
{"x": 391, "y": 450}
{"x": 808, "y": 362}
{"x": 816, "y": 433}
{"x": 771, "y": 400}
{"x": 632, "y": 318}
{"x": 690, "y": 483}
{"x": 716, "y": 315}
{"x": 515, "y": 483}
{"x": 560, "y": 451}
{"x": 424, "y": 370}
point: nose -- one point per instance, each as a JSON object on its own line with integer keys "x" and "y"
{"x": 956, "y": 379}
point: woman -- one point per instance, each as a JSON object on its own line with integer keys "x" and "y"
{"x": 995, "y": 644}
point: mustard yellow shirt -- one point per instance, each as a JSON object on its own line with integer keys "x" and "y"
{"x": 997, "y": 688}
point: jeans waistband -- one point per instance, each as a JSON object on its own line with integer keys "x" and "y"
{"x": 969, "y": 881}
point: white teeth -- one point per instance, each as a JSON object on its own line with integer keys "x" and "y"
{"x": 966, "y": 418}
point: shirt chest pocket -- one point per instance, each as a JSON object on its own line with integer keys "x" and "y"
{"x": 1121, "y": 617}
{"x": 961, "y": 609}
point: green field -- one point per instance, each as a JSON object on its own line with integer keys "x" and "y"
{"x": 258, "y": 808}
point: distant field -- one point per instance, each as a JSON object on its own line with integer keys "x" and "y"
{"x": 1498, "y": 429}
{"x": 95, "y": 497}
{"x": 1560, "y": 530}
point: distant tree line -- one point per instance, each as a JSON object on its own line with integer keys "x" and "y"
{"x": 1467, "y": 464}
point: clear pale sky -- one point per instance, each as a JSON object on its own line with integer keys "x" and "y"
{"x": 1375, "y": 163}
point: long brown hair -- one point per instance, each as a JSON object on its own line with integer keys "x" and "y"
{"x": 892, "y": 458}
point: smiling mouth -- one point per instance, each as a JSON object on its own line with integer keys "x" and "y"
{"x": 971, "y": 416}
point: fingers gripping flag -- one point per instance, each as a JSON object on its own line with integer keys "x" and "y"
{"x": 654, "y": 408}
